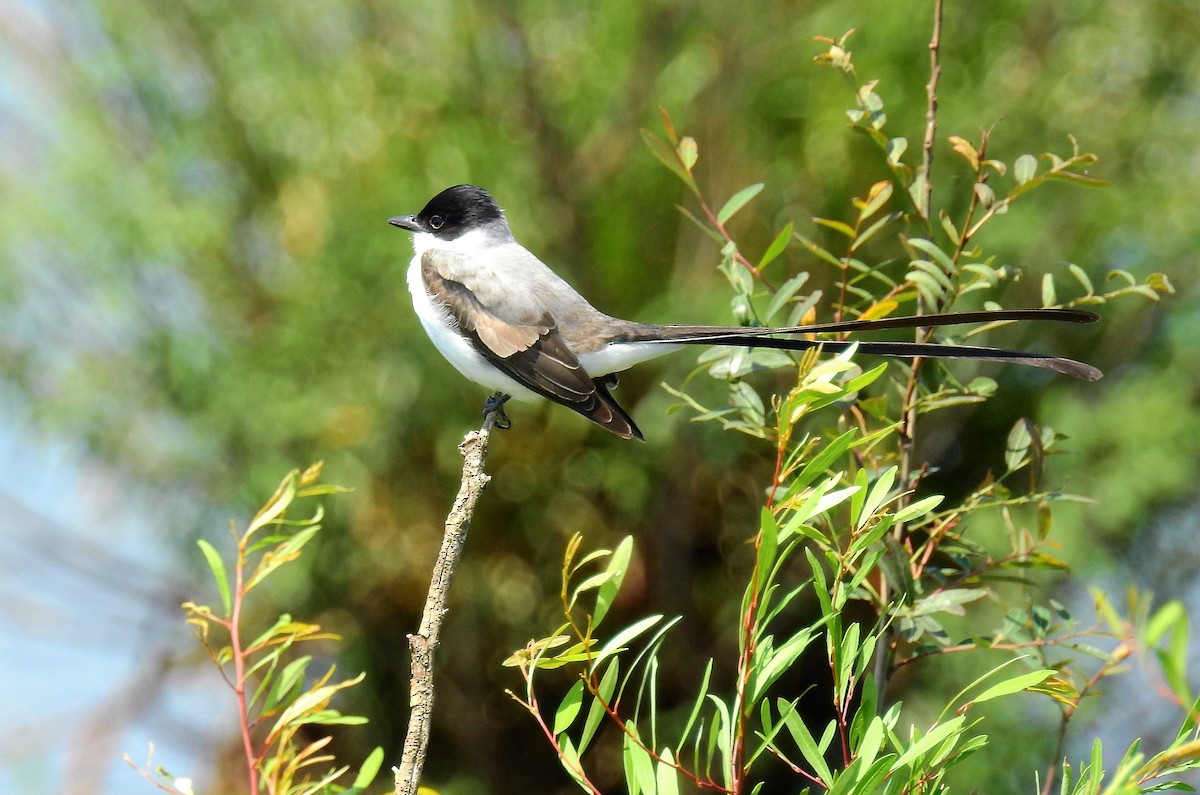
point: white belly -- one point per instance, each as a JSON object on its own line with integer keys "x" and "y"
{"x": 443, "y": 332}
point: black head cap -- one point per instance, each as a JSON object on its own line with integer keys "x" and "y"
{"x": 453, "y": 212}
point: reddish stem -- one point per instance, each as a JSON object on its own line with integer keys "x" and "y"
{"x": 536, "y": 712}
{"x": 743, "y": 685}
{"x": 239, "y": 671}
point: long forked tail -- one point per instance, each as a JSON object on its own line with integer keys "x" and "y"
{"x": 769, "y": 338}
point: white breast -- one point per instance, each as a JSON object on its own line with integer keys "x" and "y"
{"x": 444, "y": 334}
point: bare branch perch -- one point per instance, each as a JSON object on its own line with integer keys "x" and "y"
{"x": 425, "y": 642}
{"x": 935, "y": 73}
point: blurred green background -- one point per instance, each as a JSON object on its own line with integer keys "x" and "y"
{"x": 199, "y": 292}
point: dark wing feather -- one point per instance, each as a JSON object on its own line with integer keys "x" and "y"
{"x": 532, "y": 353}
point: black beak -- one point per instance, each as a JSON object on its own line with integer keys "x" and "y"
{"x": 408, "y": 222}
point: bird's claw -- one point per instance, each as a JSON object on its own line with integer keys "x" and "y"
{"x": 494, "y": 406}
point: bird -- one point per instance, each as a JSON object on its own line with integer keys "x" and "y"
{"x": 506, "y": 321}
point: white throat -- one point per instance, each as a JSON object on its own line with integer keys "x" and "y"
{"x": 471, "y": 243}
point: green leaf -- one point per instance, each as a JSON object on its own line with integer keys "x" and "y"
{"x": 1014, "y": 685}
{"x": 777, "y": 247}
{"x": 618, "y": 565}
{"x": 985, "y": 194}
{"x": 819, "y": 464}
{"x": 286, "y": 552}
{"x": 665, "y": 775}
{"x": 838, "y": 226}
{"x": 310, "y": 707}
{"x": 813, "y": 753}
{"x": 1017, "y": 446}
{"x": 878, "y": 196}
{"x": 688, "y": 152}
{"x": 949, "y": 229}
{"x": 985, "y": 273}
{"x": 738, "y": 201}
{"x": 618, "y": 641}
{"x": 879, "y": 492}
{"x": 1078, "y": 179}
{"x": 872, "y": 741}
{"x": 370, "y": 768}
{"x": 748, "y": 402}
{"x": 948, "y": 601}
{"x": 1081, "y": 276}
{"x": 1160, "y": 283}
{"x": 945, "y": 263}
{"x": 291, "y": 678}
{"x": 768, "y": 545}
{"x": 596, "y": 712}
{"x": 278, "y": 503}
{"x": 934, "y": 272}
{"x": 569, "y": 708}
{"x": 722, "y": 735}
{"x": 1024, "y": 168}
{"x": 935, "y": 736}
{"x": 569, "y": 759}
{"x": 669, "y": 158}
{"x": 875, "y": 226}
{"x": 1166, "y": 617}
{"x": 916, "y": 191}
{"x": 784, "y": 294}
{"x": 331, "y": 717}
{"x": 858, "y": 498}
{"x": 928, "y": 287}
{"x": 917, "y": 509}
{"x": 818, "y": 250}
{"x": 1049, "y": 295}
{"x": 780, "y": 661}
{"x": 217, "y": 567}
{"x": 846, "y": 656}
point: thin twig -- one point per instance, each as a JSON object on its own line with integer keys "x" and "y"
{"x": 425, "y": 642}
{"x": 908, "y": 408}
{"x": 935, "y": 73}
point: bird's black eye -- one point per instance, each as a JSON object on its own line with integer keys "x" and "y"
{"x": 436, "y": 222}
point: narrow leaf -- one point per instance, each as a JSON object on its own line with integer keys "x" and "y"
{"x": 784, "y": 294}
{"x": 569, "y": 708}
{"x": 618, "y": 564}
{"x": 935, "y": 736}
{"x": 668, "y": 157}
{"x": 812, "y": 752}
{"x": 768, "y": 545}
{"x": 777, "y": 246}
{"x": 618, "y": 641}
{"x": 217, "y": 567}
{"x": 838, "y": 226}
{"x": 1081, "y": 276}
{"x": 917, "y": 509}
{"x": 665, "y": 776}
{"x": 877, "y": 197}
{"x": 1014, "y": 685}
{"x": 370, "y": 768}
{"x": 1049, "y": 295}
{"x": 596, "y": 713}
{"x": 738, "y": 201}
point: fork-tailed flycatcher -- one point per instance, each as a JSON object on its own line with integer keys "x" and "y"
{"x": 508, "y": 322}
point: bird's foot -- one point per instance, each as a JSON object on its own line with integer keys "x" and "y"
{"x": 494, "y": 406}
